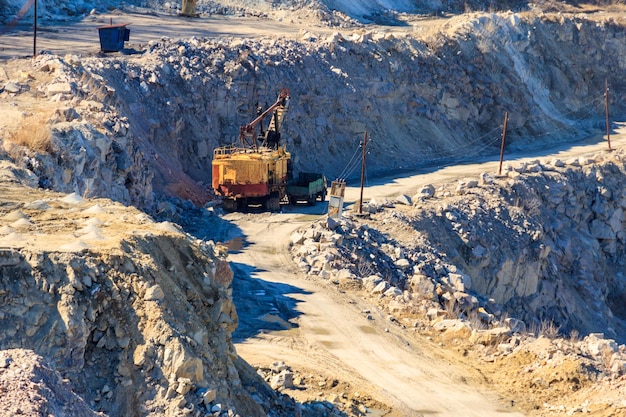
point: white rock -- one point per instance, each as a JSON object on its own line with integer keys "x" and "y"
{"x": 402, "y": 263}
{"x": 154, "y": 293}
{"x": 380, "y": 288}
{"x": 393, "y": 292}
{"x": 598, "y": 346}
{"x": 12, "y": 87}
{"x": 403, "y": 199}
{"x": 297, "y": 238}
{"x": 59, "y": 88}
{"x": 209, "y": 396}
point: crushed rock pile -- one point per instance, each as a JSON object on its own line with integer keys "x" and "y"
{"x": 30, "y": 387}
{"x": 332, "y": 397}
{"x": 495, "y": 264}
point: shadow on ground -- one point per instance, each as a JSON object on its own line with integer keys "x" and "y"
{"x": 261, "y": 305}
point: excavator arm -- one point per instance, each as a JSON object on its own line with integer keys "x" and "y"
{"x": 247, "y": 133}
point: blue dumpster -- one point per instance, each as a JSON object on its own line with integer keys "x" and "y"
{"x": 112, "y": 37}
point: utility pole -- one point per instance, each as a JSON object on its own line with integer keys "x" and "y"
{"x": 606, "y": 106}
{"x": 506, "y": 119}
{"x": 363, "y": 171}
{"x": 35, "y": 31}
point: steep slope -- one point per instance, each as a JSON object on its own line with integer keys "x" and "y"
{"x": 423, "y": 100}
{"x": 135, "y": 315}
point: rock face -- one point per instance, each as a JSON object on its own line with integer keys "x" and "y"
{"x": 136, "y": 320}
{"x": 543, "y": 244}
{"x": 129, "y": 126}
{"x": 394, "y": 85}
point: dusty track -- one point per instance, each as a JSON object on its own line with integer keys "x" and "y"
{"x": 332, "y": 333}
{"x": 81, "y": 37}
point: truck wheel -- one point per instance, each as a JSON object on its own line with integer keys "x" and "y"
{"x": 272, "y": 203}
{"x": 323, "y": 196}
{"x": 230, "y": 205}
{"x": 291, "y": 200}
{"x": 311, "y": 200}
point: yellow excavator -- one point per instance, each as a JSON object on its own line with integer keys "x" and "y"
{"x": 255, "y": 173}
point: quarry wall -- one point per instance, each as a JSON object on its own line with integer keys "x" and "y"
{"x": 135, "y": 316}
{"x": 422, "y": 100}
{"x": 543, "y": 244}
{"x": 138, "y": 127}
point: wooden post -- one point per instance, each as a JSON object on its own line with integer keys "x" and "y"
{"x": 363, "y": 171}
{"x": 506, "y": 119}
{"x": 35, "y": 31}
{"x": 606, "y": 105}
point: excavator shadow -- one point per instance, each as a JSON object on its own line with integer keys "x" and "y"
{"x": 262, "y": 305}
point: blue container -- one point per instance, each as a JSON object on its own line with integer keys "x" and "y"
{"x": 112, "y": 37}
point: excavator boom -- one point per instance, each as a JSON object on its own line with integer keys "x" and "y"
{"x": 247, "y": 133}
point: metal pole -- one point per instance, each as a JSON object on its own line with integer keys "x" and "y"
{"x": 506, "y": 119}
{"x": 606, "y": 105}
{"x": 35, "y": 31}
{"x": 362, "y": 171}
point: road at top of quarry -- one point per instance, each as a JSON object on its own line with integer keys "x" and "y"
{"x": 327, "y": 328}
{"x": 81, "y": 37}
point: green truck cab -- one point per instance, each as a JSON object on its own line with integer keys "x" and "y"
{"x": 308, "y": 187}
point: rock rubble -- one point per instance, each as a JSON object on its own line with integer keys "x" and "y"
{"x": 134, "y": 128}
{"x": 114, "y": 314}
{"x": 499, "y": 264}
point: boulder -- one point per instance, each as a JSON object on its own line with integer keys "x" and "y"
{"x": 58, "y": 88}
{"x": 12, "y": 87}
{"x": 403, "y": 199}
{"x": 490, "y": 337}
{"x": 393, "y": 292}
{"x": 380, "y": 288}
{"x": 154, "y": 293}
{"x": 282, "y": 380}
{"x": 427, "y": 191}
{"x": 599, "y": 346}
{"x": 402, "y": 263}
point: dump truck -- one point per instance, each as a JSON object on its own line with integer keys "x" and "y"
{"x": 255, "y": 172}
{"x": 309, "y": 186}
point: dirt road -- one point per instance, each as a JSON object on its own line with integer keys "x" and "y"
{"x": 329, "y": 331}
{"x": 82, "y": 37}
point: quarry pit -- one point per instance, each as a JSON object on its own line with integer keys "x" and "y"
{"x": 127, "y": 290}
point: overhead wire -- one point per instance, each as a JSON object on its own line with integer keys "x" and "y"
{"x": 351, "y": 161}
{"x": 479, "y": 144}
